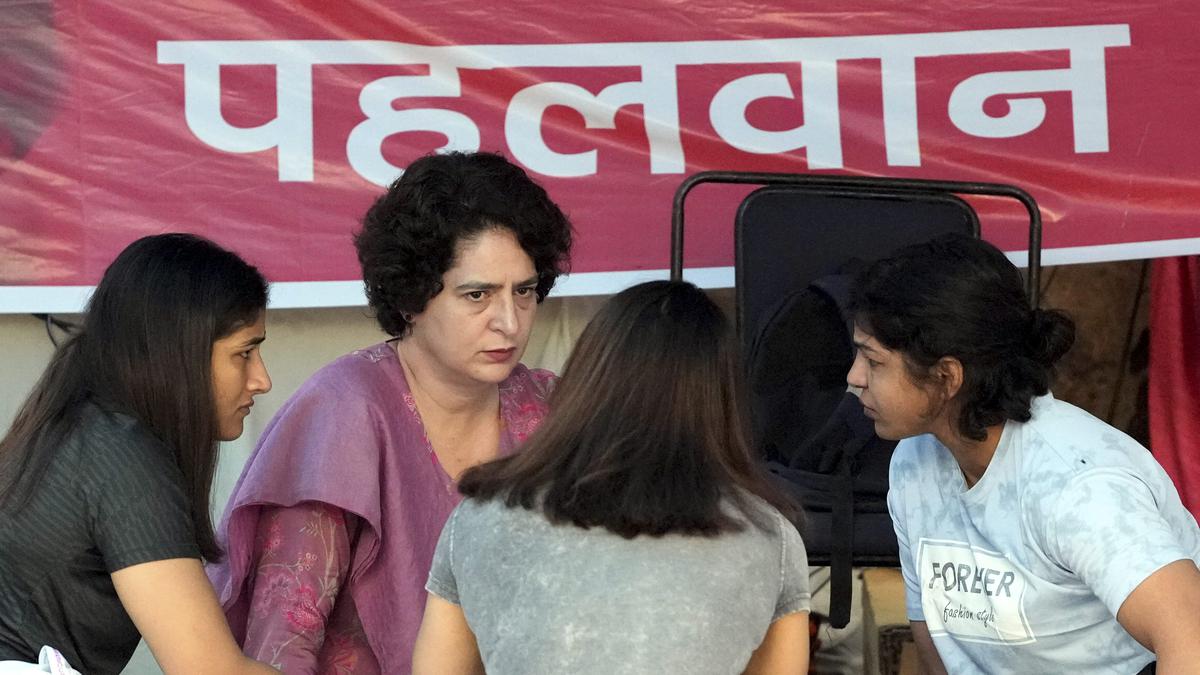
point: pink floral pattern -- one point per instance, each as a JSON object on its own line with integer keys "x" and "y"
{"x": 521, "y": 419}
{"x": 299, "y": 620}
{"x": 526, "y": 419}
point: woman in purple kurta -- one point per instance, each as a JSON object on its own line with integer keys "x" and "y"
{"x": 331, "y": 529}
{"x": 346, "y": 459}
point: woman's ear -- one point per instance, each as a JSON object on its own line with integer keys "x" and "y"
{"x": 948, "y": 374}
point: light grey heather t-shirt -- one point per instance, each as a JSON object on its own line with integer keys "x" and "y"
{"x": 1025, "y": 571}
{"x": 544, "y": 598}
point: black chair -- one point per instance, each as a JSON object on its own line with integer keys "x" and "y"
{"x": 795, "y": 239}
{"x": 786, "y": 237}
{"x": 771, "y": 203}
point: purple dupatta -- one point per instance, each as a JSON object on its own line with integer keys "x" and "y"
{"x": 351, "y": 437}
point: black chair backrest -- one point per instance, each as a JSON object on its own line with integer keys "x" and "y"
{"x": 842, "y": 185}
{"x": 794, "y": 241}
{"x": 787, "y": 236}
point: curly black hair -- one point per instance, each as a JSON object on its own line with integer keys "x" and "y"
{"x": 959, "y": 296}
{"x": 409, "y": 234}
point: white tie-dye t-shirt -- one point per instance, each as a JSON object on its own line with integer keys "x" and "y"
{"x": 1025, "y": 571}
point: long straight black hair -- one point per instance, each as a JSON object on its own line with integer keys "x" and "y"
{"x": 647, "y": 432}
{"x": 145, "y": 350}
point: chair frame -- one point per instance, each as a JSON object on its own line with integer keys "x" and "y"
{"x": 857, "y": 185}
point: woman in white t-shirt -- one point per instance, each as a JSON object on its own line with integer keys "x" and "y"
{"x": 1034, "y": 537}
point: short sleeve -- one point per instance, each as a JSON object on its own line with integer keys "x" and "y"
{"x": 441, "y": 575}
{"x": 139, "y": 510}
{"x": 1106, "y": 528}
{"x": 794, "y": 595}
{"x": 912, "y": 587}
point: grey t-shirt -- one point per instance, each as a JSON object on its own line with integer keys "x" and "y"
{"x": 546, "y": 598}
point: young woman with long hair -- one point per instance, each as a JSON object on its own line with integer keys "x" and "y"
{"x": 105, "y": 473}
{"x": 635, "y": 532}
{"x": 1034, "y": 538}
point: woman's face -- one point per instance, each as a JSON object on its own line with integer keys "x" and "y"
{"x": 238, "y": 375}
{"x": 475, "y": 330}
{"x": 900, "y": 407}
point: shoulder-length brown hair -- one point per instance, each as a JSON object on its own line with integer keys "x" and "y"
{"x": 145, "y": 350}
{"x": 647, "y": 430}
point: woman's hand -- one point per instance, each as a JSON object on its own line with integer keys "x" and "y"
{"x": 174, "y": 607}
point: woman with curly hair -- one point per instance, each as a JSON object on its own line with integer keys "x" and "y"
{"x": 332, "y": 526}
{"x": 1034, "y": 538}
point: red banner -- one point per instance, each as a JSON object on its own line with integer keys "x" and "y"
{"x": 269, "y": 126}
{"x": 1174, "y": 365}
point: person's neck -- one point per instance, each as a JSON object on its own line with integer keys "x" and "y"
{"x": 441, "y": 397}
{"x": 973, "y": 456}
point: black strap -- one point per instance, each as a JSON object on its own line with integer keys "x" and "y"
{"x": 841, "y": 552}
{"x": 841, "y": 547}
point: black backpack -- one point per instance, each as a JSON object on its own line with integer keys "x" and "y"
{"x": 818, "y": 444}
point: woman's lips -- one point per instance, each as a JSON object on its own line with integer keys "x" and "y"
{"x": 500, "y": 355}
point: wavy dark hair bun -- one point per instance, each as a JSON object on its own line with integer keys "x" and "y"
{"x": 1051, "y": 336}
{"x": 961, "y": 297}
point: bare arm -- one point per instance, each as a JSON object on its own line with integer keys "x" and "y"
{"x": 784, "y": 649}
{"x": 445, "y": 645}
{"x": 930, "y": 661}
{"x": 174, "y": 607}
{"x": 1163, "y": 614}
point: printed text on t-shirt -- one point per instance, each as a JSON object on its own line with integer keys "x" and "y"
{"x": 971, "y": 593}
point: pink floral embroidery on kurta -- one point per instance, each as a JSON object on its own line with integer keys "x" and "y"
{"x": 301, "y": 622}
